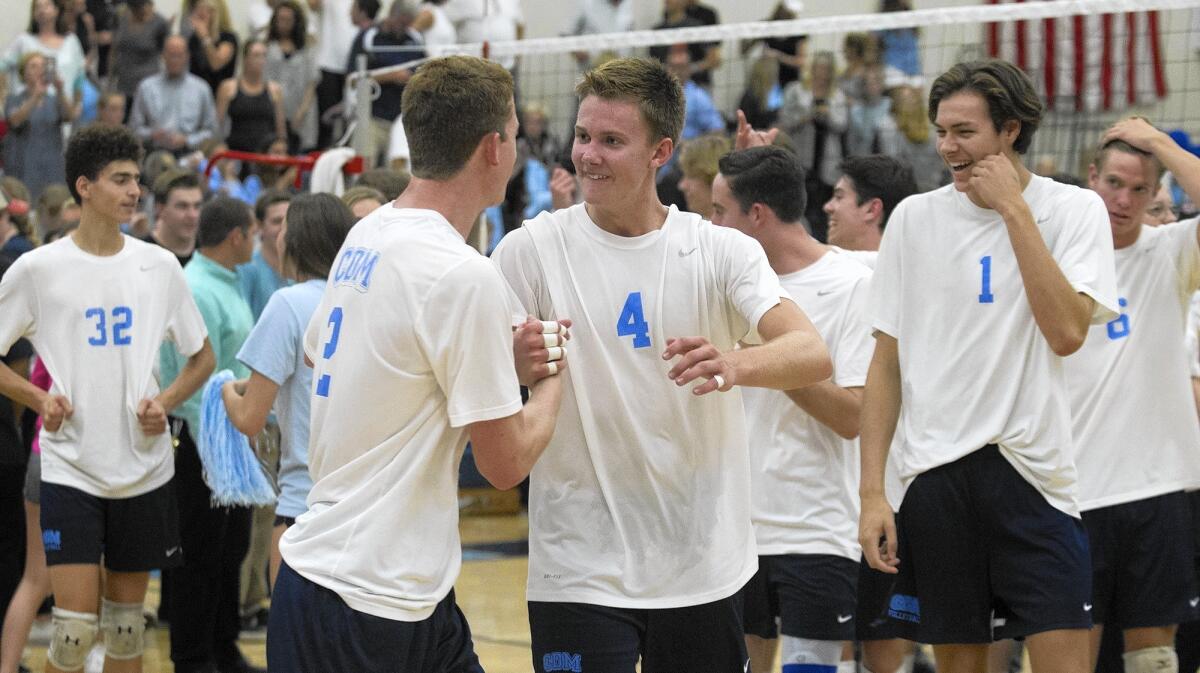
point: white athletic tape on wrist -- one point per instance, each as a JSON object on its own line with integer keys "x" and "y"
{"x": 551, "y": 340}
{"x": 720, "y": 381}
{"x": 551, "y": 327}
{"x": 555, "y": 353}
{"x": 553, "y": 367}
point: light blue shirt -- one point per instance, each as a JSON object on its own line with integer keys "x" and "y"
{"x": 259, "y": 281}
{"x": 700, "y": 115}
{"x": 275, "y": 349}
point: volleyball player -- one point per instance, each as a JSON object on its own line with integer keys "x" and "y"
{"x": 803, "y": 457}
{"x": 1133, "y": 409}
{"x": 97, "y": 305}
{"x": 980, "y": 290}
{"x": 640, "y": 534}
{"x": 414, "y": 351}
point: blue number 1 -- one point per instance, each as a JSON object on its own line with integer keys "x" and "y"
{"x": 335, "y": 319}
{"x": 985, "y": 294}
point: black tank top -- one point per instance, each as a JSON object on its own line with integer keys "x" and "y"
{"x": 251, "y": 121}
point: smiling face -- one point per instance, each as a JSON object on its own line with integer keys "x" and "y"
{"x": 850, "y": 224}
{"x": 113, "y": 195}
{"x": 180, "y": 215}
{"x": 614, "y": 156}
{"x": 1127, "y": 183}
{"x": 965, "y": 134}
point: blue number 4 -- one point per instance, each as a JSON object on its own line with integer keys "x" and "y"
{"x": 632, "y": 323}
{"x": 335, "y": 319}
{"x": 985, "y": 292}
{"x": 120, "y": 329}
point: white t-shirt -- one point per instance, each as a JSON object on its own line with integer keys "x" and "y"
{"x": 475, "y": 21}
{"x": 804, "y": 476}
{"x": 97, "y": 323}
{"x": 441, "y": 32}
{"x": 1192, "y": 339}
{"x": 974, "y": 367}
{"x": 336, "y": 34}
{"x": 642, "y": 498}
{"x": 412, "y": 342}
{"x": 1131, "y": 398}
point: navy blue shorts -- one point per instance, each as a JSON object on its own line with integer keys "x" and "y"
{"x": 577, "y": 637}
{"x": 984, "y": 556}
{"x": 871, "y": 620}
{"x": 813, "y": 595}
{"x": 130, "y": 534}
{"x": 312, "y": 630}
{"x": 1142, "y": 563}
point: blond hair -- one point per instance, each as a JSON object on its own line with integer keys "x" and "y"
{"x": 699, "y": 156}
{"x": 643, "y": 81}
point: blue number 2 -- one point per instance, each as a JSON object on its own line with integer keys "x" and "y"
{"x": 123, "y": 315}
{"x": 335, "y": 319}
{"x": 985, "y": 294}
{"x": 632, "y": 323}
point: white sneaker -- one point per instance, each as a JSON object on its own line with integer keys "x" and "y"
{"x": 95, "y": 659}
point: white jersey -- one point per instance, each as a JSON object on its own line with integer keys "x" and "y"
{"x": 412, "y": 342}
{"x": 642, "y": 498}
{"x": 804, "y": 476}
{"x": 97, "y": 323}
{"x": 974, "y": 367}
{"x": 1191, "y": 341}
{"x": 1131, "y": 398}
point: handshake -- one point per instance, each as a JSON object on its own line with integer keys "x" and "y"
{"x": 539, "y": 349}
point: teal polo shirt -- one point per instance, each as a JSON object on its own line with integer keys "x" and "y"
{"x": 227, "y": 316}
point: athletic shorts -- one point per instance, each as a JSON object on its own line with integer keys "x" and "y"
{"x": 984, "y": 556}
{"x": 130, "y": 534}
{"x": 312, "y": 630}
{"x": 812, "y": 595}
{"x": 33, "y": 478}
{"x": 599, "y": 639}
{"x": 1143, "y": 563}
{"x": 871, "y": 620}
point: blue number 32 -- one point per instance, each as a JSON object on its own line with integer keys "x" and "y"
{"x": 122, "y": 322}
{"x": 335, "y": 319}
{"x": 633, "y": 323}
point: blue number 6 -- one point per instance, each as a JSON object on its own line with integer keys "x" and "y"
{"x": 335, "y": 319}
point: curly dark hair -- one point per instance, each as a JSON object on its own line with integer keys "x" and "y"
{"x": 299, "y": 25}
{"x": 96, "y": 146}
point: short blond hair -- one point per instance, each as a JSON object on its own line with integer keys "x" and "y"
{"x": 657, "y": 92}
{"x": 699, "y": 156}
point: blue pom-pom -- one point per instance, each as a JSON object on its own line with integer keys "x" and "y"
{"x": 231, "y": 469}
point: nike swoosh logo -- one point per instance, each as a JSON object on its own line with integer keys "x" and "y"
{"x": 842, "y": 619}
{"x": 822, "y": 293}
{"x": 172, "y": 551}
{"x": 1194, "y": 602}
{"x": 1087, "y": 607}
{"x": 146, "y": 267}
{"x": 685, "y": 253}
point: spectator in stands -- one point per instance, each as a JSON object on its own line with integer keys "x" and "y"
{"x": 391, "y": 183}
{"x": 598, "y": 17}
{"x": 434, "y": 24}
{"x": 212, "y": 44}
{"x": 79, "y": 21}
{"x": 138, "y": 39}
{"x": 263, "y": 274}
{"x": 33, "y": 147}
{"x": 252, "y": 105}
{"x": 487, "y": 20}
{"x": 173, "y": 110}
{"x": 815, "y": 116}
{"x": 15, "y": 235}
{"x": 278, "y": 177}
{"x": 104, "y": 18}
{"x": 111, "y": 110}
{"x": 764, "y": 95}
{"x": 50, "y": 36}
{"x": 258, "y": 18}
{"x": 907, "y": 136}
{"x": 394, "y": 31}
{"x": 702, "y": 57}
{"x": 860, "y": 52}
{"x": 1162, "y": 209}
{"x": 178, "y": 197}
{"x": 362, "y": 200}
{"x": 701, "y": 115}
{"x": 899, "y": 46}
{"x": 536, "y": 141}
{"x": 698, "y": 160}
{"x": 335, "y": 31}
{"x": 868, "y": 115}
{"x": 55, "y": 199}
{"x": 291, "y": 61}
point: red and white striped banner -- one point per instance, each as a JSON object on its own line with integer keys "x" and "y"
{"x": 1098, "y": 62}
